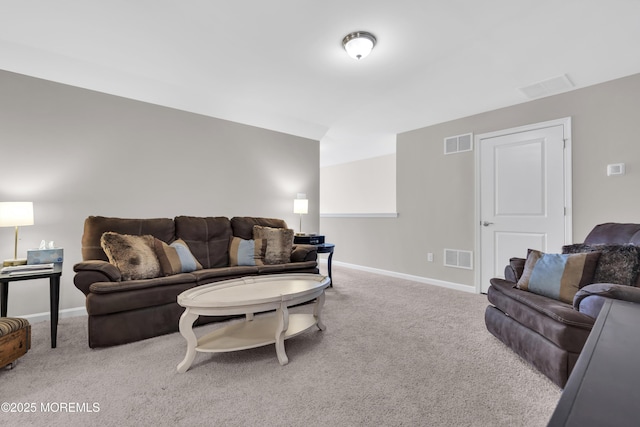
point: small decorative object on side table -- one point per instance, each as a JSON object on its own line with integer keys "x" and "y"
{"x": 322, "y": 247}
{"x": 30, "y": 272}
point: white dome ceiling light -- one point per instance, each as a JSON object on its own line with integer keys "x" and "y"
{"x": 359, "y": 44}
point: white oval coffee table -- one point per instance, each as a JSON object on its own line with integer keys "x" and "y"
{"x": 246, "y": 296}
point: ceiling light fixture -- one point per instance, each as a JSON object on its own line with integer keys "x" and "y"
{"x": 359, "y": 44}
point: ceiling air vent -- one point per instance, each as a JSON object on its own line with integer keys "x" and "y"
{"x": 547, "y": 87}
{"x": 458, "y": 144}
{"x": 458, "y": 259}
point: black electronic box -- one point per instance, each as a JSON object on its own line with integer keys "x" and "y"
{"x": 308, "y": 239}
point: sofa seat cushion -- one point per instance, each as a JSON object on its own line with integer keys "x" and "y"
{"x": 129, "y": 285}
{"x": 553, "y": 319}
{"x": 287, "y": 267}
{"x": 210, "y": 275}
{"x": 137, "y": 298}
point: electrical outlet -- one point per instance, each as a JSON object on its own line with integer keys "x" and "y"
{"x": 429, "y": 257}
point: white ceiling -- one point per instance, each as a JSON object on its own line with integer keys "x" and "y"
{"x": 280, "y": 65}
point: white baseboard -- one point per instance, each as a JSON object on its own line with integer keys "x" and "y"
{"x": 428, "y": 281}
{"x": 67, "y": 312}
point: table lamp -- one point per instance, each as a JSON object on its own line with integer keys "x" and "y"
{"x": 15, "y": 214}
{"x": 301, "y": 206}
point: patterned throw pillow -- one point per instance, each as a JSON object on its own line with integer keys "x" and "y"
{"x": 558, "y": 276}
{"x": 246, "y": 252}
{"x": 279, "y": 243}
{"x": 176, "y": 257}
{"x": 618, "y": 264}
{"x": 134, "y": 256}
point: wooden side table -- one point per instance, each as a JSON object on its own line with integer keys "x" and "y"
{"x": 54, "y": 294}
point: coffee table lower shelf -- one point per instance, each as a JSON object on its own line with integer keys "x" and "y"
{"x": 252, "y": 333}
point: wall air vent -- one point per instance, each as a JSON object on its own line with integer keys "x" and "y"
{"x": 458, "y": 144}
{"x": 458, "y": 259}
{"x": 547, "y": 87}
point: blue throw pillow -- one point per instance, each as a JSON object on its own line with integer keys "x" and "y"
{"x": 558, "y": 276}
{"x": 176, "y": 257}
{"x": 246, "y": 252}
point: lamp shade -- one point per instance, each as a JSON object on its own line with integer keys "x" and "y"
{"x": 300, "y": 206}
{"x": 14, "y": 214}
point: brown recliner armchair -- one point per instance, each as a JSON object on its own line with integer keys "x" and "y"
{"x": 548, "y": 333}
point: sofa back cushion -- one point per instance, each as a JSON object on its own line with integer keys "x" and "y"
{"x": 207, "y": 238}
{"x": 243, "y": 225}
{"x": 614, "y": 233}
{"x": 95, "y": 226}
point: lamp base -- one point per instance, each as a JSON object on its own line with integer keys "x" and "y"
{"x": 13, "y": 262}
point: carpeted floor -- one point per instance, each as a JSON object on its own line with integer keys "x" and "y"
{"x": 395, "y": 353}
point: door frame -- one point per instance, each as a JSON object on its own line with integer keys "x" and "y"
{"x": 568, "y": 186}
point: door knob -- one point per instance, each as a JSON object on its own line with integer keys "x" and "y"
{"x": 486, "y": 224}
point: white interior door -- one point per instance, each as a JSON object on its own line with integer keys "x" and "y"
{"x": 525, "y": 191}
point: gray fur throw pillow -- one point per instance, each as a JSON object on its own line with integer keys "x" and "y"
{"x": 279, "y": 243}
{"x": 618, "y": 264}
{"x": 134, "y": 256}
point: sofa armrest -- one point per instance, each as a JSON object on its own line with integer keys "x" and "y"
{"x": 513, "y": 271}
{"x": 589, "y": 299}
{"x": 109, "y": 270}
{"x": 301, "y": 253}
{"x": 88, "y": 272}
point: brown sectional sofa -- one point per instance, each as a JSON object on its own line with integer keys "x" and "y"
{"x": 123, "y": 311}
{"x": 548, "y": 333}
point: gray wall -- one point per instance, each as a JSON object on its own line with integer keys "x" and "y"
{"x": 75, "y": 152}
{"x": 364, "y": 186}
{"x": 435, "y": 193}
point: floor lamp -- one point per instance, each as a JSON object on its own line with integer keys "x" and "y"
{"x": 15, "y": 214}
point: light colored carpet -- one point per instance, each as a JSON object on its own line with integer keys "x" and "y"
{"x": 395, "y": 353}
